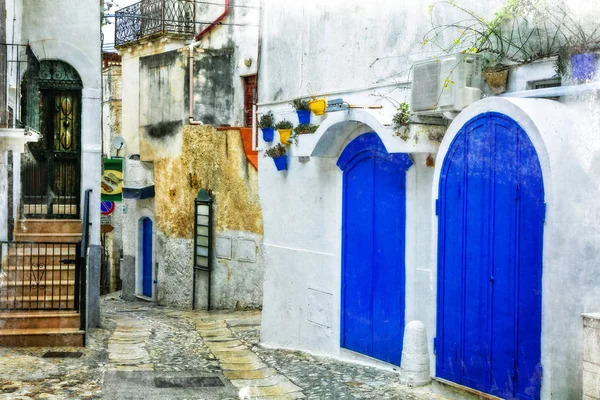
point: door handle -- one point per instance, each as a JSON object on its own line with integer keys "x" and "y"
{"x": 492, "y": 279}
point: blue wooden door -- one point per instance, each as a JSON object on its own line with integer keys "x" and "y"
{"x": 373, "y": 268}
{"x": 491, "y": 215}
{"x": 147, "y": 258}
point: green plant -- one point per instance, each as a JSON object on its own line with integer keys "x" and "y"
{"x": 401, "y": 119}
{"x": 266, "y": 120}
{"x": 522, "y": 31}
{"x": 276, "y": 151}
{"x": 300, "y": 104}
{"x": 284, "y": 124}
{"x": 305, "y": 129}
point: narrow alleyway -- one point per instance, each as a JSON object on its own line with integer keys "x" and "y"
{"x": 148, "y": 352}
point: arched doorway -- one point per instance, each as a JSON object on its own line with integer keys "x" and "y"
{"x": 51, "y": 168}
{"x": 490, "y": 242}
{"x": 373, "y": 247}
{"x": 145, "y": 258}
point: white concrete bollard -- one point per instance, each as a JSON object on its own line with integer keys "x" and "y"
{"x": 414, "y": 368}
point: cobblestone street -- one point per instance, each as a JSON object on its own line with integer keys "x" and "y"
{"x": 148, "y": 352}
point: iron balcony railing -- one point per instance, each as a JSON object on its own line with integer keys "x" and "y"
{"x": 149, "y": 18}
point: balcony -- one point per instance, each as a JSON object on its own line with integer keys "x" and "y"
{"x": 154, "y": 18}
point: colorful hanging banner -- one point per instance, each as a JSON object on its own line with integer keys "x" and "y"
{"x": 112, "y": 180}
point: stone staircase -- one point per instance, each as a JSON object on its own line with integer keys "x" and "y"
{"x": 38, "y": 285}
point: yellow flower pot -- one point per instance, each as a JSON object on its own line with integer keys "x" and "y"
{"x": 318, "y": 106}
{"x": 284, "y": 135}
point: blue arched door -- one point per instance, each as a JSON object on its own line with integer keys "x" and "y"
{"x": 147, "y": 257}
{"x": 374, "y": 207}
{"x": 491, "y": 216}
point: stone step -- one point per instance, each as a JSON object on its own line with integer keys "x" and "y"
{"x": 41, "y": 337}
{"x": 27, "y": 254}
{"x": 62, "y": 302}
{"x": 32, "y": 225}
{"x": 18, "y": 289}
{"x": 57, "y": 209}
{"x": 26, "y": 273}
{"x": 39, "y": 320}
{"x": 48, "y": 237}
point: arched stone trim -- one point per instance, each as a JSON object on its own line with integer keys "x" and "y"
{"x": 341, "y": 127}
{"x": 54, "y": 49}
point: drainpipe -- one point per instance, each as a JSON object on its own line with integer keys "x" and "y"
{"x": 197, "y": 42}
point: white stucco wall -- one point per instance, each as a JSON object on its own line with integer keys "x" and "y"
{"x": 363, "y": 52}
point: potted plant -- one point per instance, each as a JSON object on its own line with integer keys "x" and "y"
{"x": 266, "y": 125}
{"x": 279, "y": 155}
{"x": 303, "y": 110}
{"x": 401, "y": 119}
{"x": 305, "y": 129}
{"x": 284, "y": 128}
{"x": 495, "y": 74}
{"x": 317, "y": 105}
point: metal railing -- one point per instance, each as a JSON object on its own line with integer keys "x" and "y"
{"x": 14, "y": 59}
{"x": 41, "y": 276}
{"x": 83, "y": 250}
{"x": 149, "y": 18}
{"x": 50, "y": 185}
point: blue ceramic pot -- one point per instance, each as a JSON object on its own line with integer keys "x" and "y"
{"x": 281, "y": 162}
{"x": 303, "y": 117}
{"x": 583, "y": 66}
{"x": 268, "y": 134}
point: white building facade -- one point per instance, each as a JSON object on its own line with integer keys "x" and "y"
{"x": 474, "y": 227}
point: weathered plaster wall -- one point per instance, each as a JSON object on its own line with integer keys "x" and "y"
{"x": 162, "y": 109}
{"x": 215, "y": 160}
{"x": 214, "y": 87}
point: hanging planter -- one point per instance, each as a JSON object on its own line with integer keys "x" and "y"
{"x": 280, "y": 162}
{"x": 583, "y": 66}
{"x": 266, "y": 125}
{"x": 497, "y": 80}
{"x": 279, "y": 155}
{"x": 303, "y": 117}
{"x": 285, "y": 131}
{"x": 303, "y": 110}
{"x": 318, "y": 106}
{"x": 268, "y": 134}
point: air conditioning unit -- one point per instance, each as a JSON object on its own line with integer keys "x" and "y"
{"x": 446, "y": 84}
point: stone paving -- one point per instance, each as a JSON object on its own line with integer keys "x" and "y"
{"x": 140, "y": 342}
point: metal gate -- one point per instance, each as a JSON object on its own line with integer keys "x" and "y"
{"x": 50, "y": 169}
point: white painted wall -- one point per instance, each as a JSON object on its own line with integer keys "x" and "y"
{"x": 361, "y": 51}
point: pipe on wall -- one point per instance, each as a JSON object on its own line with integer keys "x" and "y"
{"x": 197, "y": 42}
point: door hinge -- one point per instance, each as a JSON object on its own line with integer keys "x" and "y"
{"x": 437, "y": 206}
{"x": 435, "y": 344}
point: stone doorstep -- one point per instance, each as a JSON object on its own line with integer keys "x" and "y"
{"x": 227, "y": 344}
{"x": 279, "y": 389}
{"x": 268, "y": 381}
{"x": 218, "y": 339}
{"x": 223, "y": 349}
{"x": 243, "y": 352}
{"x": 240, "y": 360}
{"x": 253, "y": 374}
{"x": 242, "y": 367}
{"x": 214, "y": 332}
